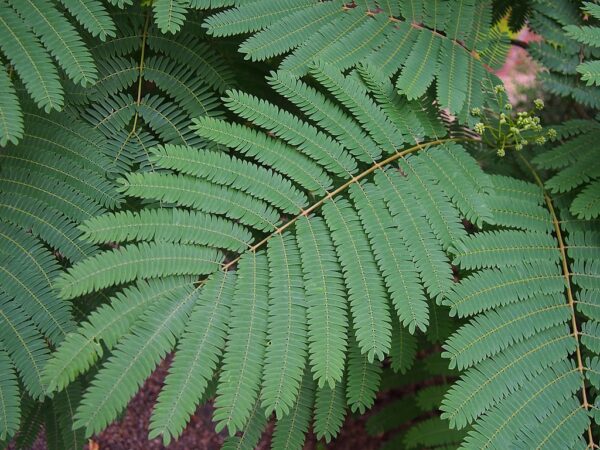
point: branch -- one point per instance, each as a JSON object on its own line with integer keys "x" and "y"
{"x": 330, "y": 195}
{"x": 570, "y": 297}
{"x": 518, "y": 43}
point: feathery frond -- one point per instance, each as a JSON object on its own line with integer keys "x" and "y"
{"x": 524, "y": 382}
{"x": 330, "y": 220}
{"x": 578, "y": 170}
{"x": 49, "y": 183}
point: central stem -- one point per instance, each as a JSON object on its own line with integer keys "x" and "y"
{"x": 570, "y": 298}
{"x": 330, "y": 195}
{"x": 141, "y": 73}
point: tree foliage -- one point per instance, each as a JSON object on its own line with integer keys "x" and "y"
{"x": 303, "y": 202}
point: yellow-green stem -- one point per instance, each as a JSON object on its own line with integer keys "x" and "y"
{"x": 141, "y": 72}
{"x": 567, "y": 276}
{"x": 330, "y": 195}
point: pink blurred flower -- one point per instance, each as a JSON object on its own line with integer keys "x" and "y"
{"x": 519, "y": 73}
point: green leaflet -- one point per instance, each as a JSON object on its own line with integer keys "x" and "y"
{"x": 577, "y": 168}
{"x": 290, "y": 431}
{"x": 588, "y": 302}
{"x": 327, "y": 114}
{"x": 269, "y": 151}
{"x": 10, "y": 409}
{"x": 496, "y": 377}
{"x": 251, "y": 17}
{"x": 432, "y": 432}
{"x": 330, "y": 409}
{"x": 335, "y": 29}
{"x": 11, "y": 116}
{"x": 196, "y": 359}
{"x": 251, "y": 432}
{"x": 31, "y": 420}
{"x": 204, "y": 196}
{"x": 93, "y": 16}
{"x": 490, "y": 288}
{"x": 290, "y": 31}
{"x": 590, "y": 72}
{"x": 590, "y": 335}
{"x": 547, "y": 390}
{"x": 561, "y": 425}
{"x": 363, "y": 380}
{"x": 58, "y": 166}
{"x": 307, "y": 138}
{"x": 586, "y": 204}
{"x": 351, "y": 94}
{"x": 165, "y": 119}
{"x": 409, "y": 117}
{"x": 358, "y": 43}
{"x": 190, "y": 51}
{"x": 106, "y": 326}
{"x": 170, "y": 14}
{"x": 565, "y": 27}
{"x": 63, "y": 406}
{"x": 363, "y": 281}
{"x": 167, "y": 225}
{"x": 143, "y": 261}
{"x": 30, "y": 60}
{"x": 393, "y": 259}
{"x": 57, "y": 231}
{"x": 389, "y": 57}
{"x": 219, "y": 168}
{"x": 451, "y": 86}
{"x": 589, "y": 35}
{"x": 152, "y": 337}
{"x": 27, "y": 269}
{"x": 60, "y": 38}
{"x": 403, "y": 350}
{"x": 442, "y": 216}
{"x": 417, "y": 74}
{"x": 325, "y": 297}
{"x": 498, "y": 329}
{"x": 430, "y": 397}
{"x": 285, "y": 357}
{"x": 25, "y": 346}
{"x": 410, "y": 216}
{"x": 238, "y": 388}
{"x": 463, "y": 181}
{"x": 54, "y": 193}
{"x": 181, "y": 82}
{"x": 504, "y": 248}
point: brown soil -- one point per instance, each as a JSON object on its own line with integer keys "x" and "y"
{"x": 131, "y": 432}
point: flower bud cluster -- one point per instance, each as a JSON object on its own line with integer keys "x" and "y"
{"x": 502, "y": 129}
